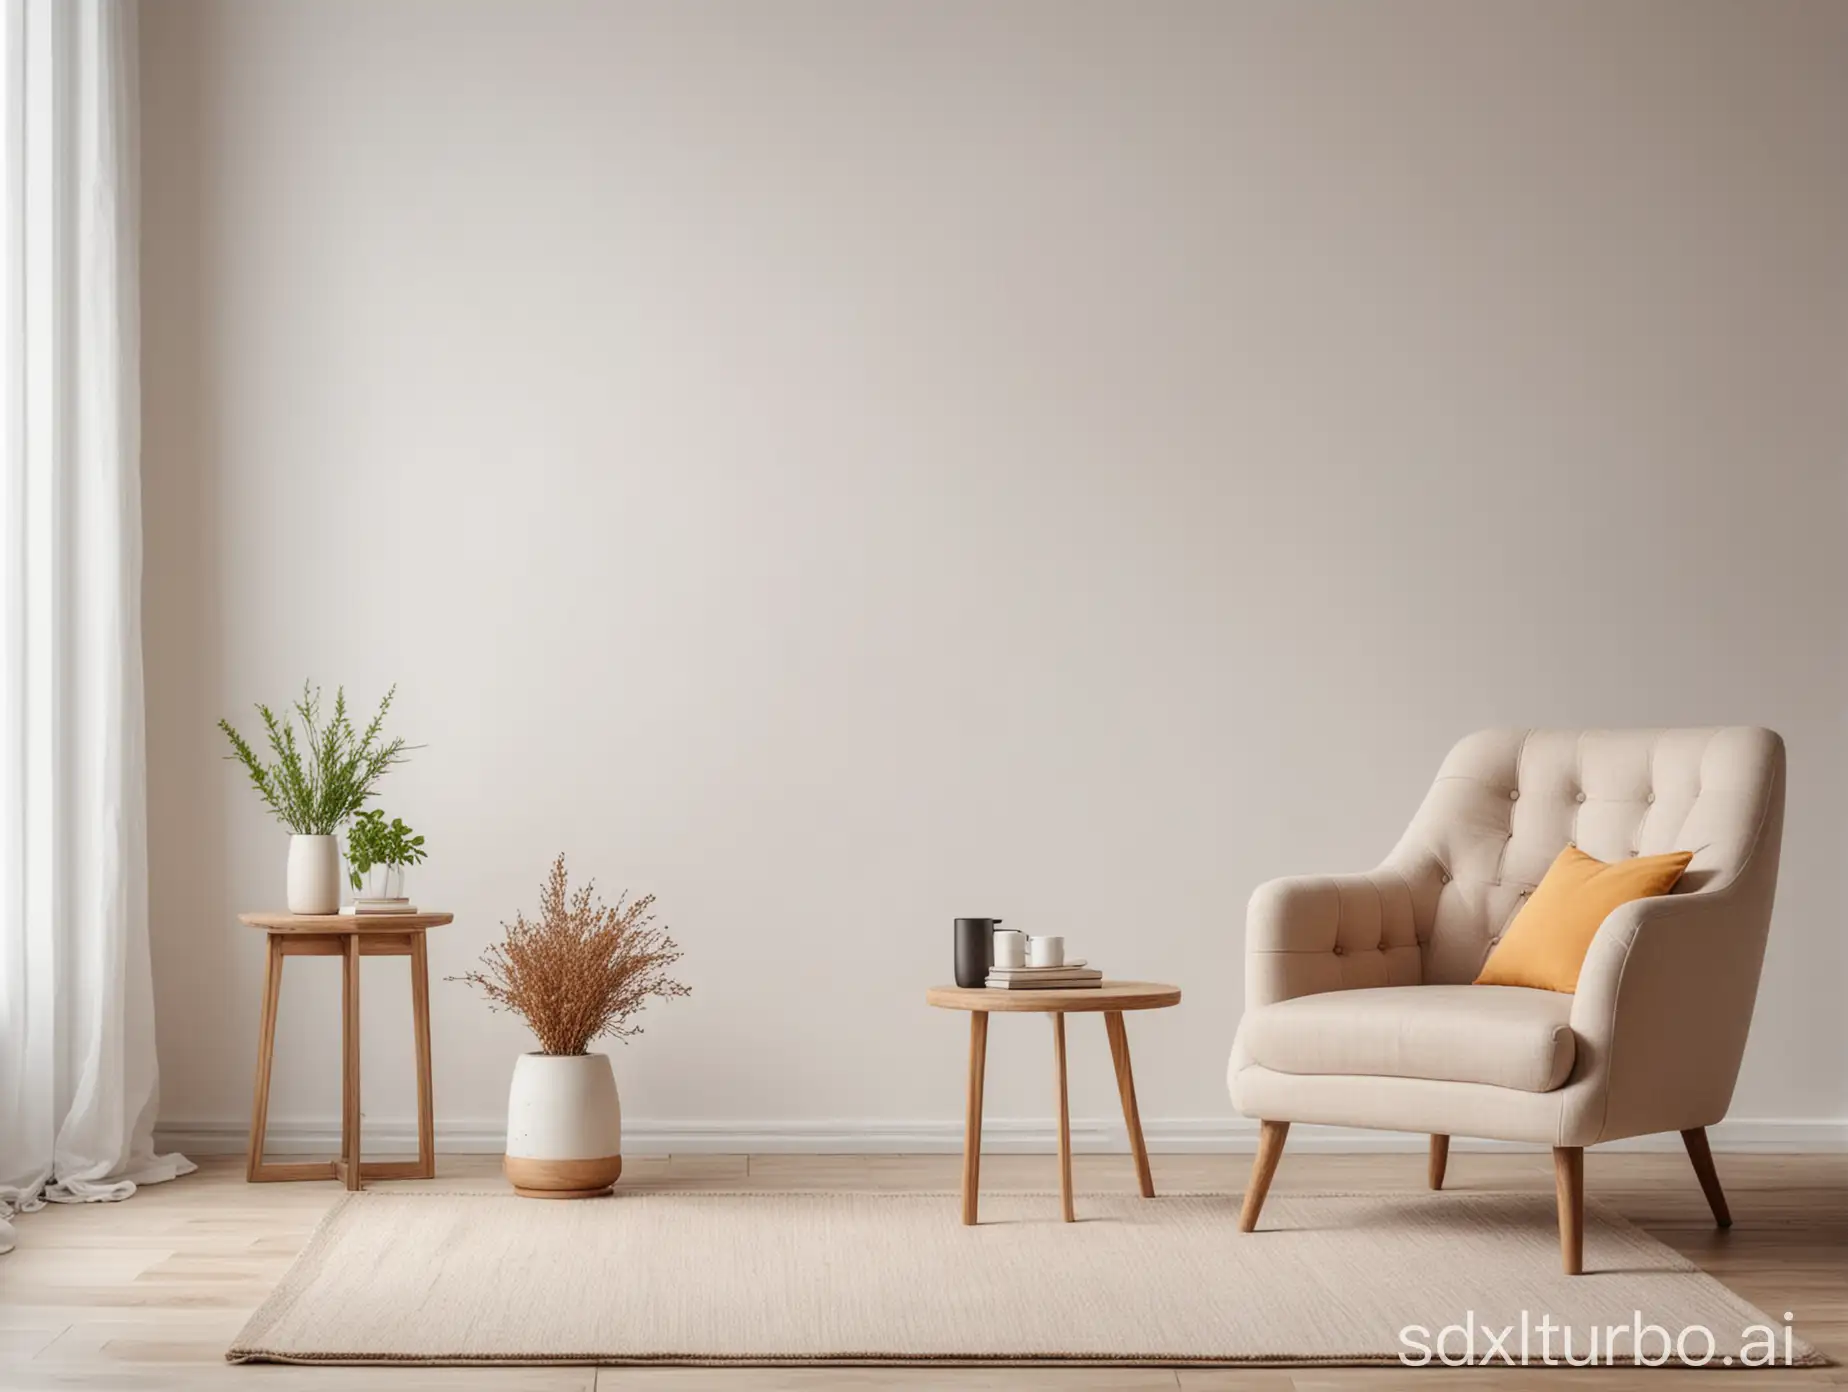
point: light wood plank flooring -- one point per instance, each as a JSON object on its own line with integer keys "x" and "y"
{"x": 148, "y": 1294}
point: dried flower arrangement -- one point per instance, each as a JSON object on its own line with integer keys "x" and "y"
{"x": 582, "y": 970}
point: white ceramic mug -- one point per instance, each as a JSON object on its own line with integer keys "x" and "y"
{"x": 1010, "y": 948}
{"x": 1046, "y": 952}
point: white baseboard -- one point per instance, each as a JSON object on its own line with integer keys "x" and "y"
{"x": 1171, "y": 1136}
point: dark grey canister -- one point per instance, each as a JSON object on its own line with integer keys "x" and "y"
{"x": 975, "y": 950}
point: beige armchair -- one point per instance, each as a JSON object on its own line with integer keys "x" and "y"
{"x": 1359, "y": 1010}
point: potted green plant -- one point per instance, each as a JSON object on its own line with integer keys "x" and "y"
{"x": 377, "y": 852}
{"x": 581, "y": 972}
{"x": 316, "y": 782}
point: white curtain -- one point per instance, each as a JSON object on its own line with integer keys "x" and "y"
{"x": 77, "y": 1075}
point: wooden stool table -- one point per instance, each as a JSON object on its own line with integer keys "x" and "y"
{"x": 349, "y": 937}
{"x": 1112, "y": 999}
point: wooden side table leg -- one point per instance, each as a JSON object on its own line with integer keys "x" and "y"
{"x": 349, "y": 1059}
{"x": 420, "y": 1020}
{"x": 972, "y": 1118}
{"x": 1126, "y": 1089}
{"x": 1065, "y": 1118}
{"x": 266, "y": 1053}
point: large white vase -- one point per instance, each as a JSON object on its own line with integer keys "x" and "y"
{"x": 564, "y": 1126}
{"x": 314, "y": 875}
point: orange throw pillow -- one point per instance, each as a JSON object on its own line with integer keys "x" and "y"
{"x": 1546, "y": 944}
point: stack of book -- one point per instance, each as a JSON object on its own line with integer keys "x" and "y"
{"x": 382, "y": 906}
{"x": 1068, "y": 977}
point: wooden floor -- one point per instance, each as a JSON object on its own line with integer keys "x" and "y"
{"x": 147, "y": 1294}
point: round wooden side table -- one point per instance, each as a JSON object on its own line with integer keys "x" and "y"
{"x": 1111, "y": 999}
{"x": 349, "y": 937}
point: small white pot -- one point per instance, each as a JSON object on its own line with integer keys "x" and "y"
{"x": 384, "y": 882}
{"x": 314, "y": 875}
{"x": 564, "y": 1126}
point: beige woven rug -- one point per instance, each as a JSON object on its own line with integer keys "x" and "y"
{"x": 896, "y": 1278}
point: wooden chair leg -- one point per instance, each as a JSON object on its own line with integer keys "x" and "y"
{"x": 972, "y": 1116}
{"x": 266, "y": 1054}
{"x": 1126, "y": 1090}
{"x": 420, "y": 1024}
{"x": 1569, "y": 1181}
{"x": 1271, "y": 1136}
{"x": 349, "y": 1059}
{"x": 1440, "y": 1159}
{"x": 1065, "y": 1119}
{"x": 1702, "y": 1155}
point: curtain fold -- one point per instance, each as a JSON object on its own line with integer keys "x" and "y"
{"x": 78, "y": 1084}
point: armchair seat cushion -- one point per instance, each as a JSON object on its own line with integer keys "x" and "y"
{"x": 1503, "y": 1036}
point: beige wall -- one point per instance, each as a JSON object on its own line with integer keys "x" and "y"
{"x": 841, "y": 465}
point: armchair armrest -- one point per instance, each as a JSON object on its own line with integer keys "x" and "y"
{"x": 1663, "y": 1005}
{"x": 1312, "y": 933}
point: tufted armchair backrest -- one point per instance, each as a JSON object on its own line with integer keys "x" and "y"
{"x": 1506, "y": 802}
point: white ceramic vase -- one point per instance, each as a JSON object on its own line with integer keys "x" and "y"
{"x": 314, "y": 875}
{"x": 564, "y": 1126}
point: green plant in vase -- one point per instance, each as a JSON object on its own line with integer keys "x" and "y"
{"x": 315, "y": 782}
{"x": 374, "y": 844}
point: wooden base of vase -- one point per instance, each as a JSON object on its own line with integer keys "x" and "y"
{"x": 562, "y": 1179}
{"x": 605, "y": 1191}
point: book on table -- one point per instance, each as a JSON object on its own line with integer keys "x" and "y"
{"x": 1043, "y": 978}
